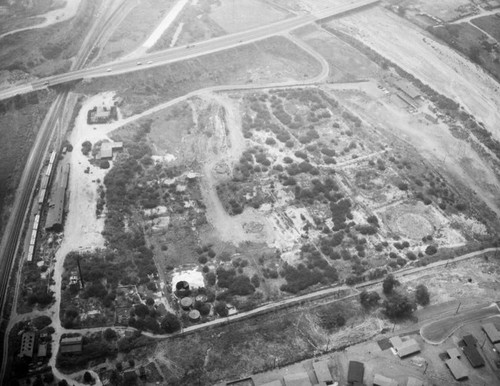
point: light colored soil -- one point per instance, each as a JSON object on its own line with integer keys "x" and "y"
{"x": 434, "y": 63}
{"x": 239, "y": 15}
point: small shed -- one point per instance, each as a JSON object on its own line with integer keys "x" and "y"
{"x": 355, "y": 372}
{"x": 298, "y": 379}
{"x": 323, "y": 372}
{"x": 492, "y": 332}
{"x": 380, "y": 380}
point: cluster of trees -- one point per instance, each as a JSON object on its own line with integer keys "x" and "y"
{"x": 235, "y": 284}
{"x": 86, "y": 147}
{"x": 302, "y": 277}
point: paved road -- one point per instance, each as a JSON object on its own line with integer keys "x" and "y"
{"x": 438, "y": 331}
{"x": 186, "y": 52}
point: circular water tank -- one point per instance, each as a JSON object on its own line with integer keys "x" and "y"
{"x": 194, "y": 315}
{"x": 182, "y": 285}
{"x": 186, "y": 303}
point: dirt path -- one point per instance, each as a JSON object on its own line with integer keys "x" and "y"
{"x": 434, "y": 63}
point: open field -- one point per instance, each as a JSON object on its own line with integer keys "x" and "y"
{"x": 489, "y": 24}
{"x": 133, "y": 31}
{"x": 192, "y": 25}
{"x": 272, "y": 60}
{"x": 346, "y": 63}
{"x": 47, "y": 51}
{"x": 473, "y": 43}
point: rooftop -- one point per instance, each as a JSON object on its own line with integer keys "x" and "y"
{"x": 458, "y": 370}
{"x": 492, "y": 332}
{"x": 322, "y": 371}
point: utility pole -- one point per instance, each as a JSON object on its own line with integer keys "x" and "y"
{"x": 459, "y": 304}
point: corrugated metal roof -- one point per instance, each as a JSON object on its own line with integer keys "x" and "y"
{"x": 355, "y": 372}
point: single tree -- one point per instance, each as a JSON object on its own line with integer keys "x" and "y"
{"x": 398, "y": 306}
{"x": 170, "y": 323}
{"x": 389, "y": 283}
{"x": 422, "y": 295}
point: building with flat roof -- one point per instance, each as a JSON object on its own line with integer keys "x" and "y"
{"x": 457, "y": 369}
{"x": 492, "y": 332}
{"x": 55, "y": 214}
{"x": 323, "y": 372}
{"x": 454, "y": 353}
{"x": 298, "y": 379}
{"x": 380, "y": 380}
{"x": 27, "y": 344}
{"x": 355, "y": 372}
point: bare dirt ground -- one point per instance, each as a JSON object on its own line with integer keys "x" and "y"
{"x": 434, "y": 63}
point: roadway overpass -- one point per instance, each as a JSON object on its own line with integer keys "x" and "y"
{"x": 177, "y": 54}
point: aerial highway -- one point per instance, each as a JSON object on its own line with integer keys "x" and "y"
{"x": 176, "y": 54}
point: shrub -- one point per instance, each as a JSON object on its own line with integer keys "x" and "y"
{"x": 270, "y": 141}
{"x": 411, "y": 256}
{"x": 431, "y": 250}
